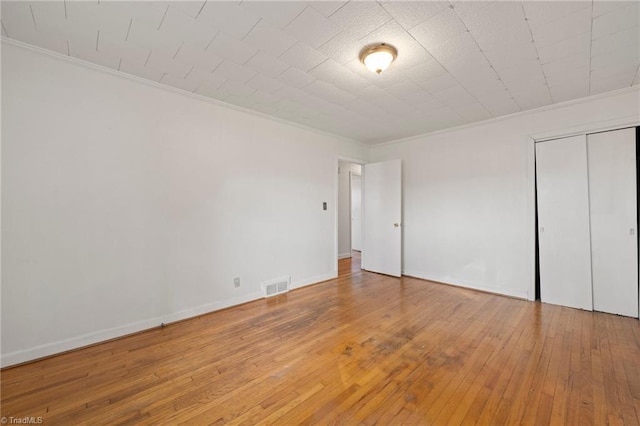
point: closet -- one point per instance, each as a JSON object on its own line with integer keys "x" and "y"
{"x": 587, "y": 221}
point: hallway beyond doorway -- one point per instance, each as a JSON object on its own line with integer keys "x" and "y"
{"x": 350, "y": 265}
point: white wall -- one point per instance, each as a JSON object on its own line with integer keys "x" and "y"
{"x": 468, "y": 193}
{"x": 125, "y": 205}
{"x": 344, "y": 206}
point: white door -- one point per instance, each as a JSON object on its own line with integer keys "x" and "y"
{"x": 356, "y": 212}
{"x": 382, "y": 233}
{"x": 563, "y": 218}
{"x": 614, "y": 241}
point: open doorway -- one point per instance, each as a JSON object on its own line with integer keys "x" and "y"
{"x": 349, "y": 216}
{"x": 380, "y": 218}
{"x": 356, "y": 212}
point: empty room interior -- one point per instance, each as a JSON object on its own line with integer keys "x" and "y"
{"x": 320, "y": 212}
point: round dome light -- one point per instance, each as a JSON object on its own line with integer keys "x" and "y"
{"x": 378, "y": 58}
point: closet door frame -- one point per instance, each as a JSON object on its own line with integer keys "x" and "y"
{"x": 530, "y": 149}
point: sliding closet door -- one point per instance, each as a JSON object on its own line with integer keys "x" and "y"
{"x": 563, "y": 218}
{"x": 614, "y": 240}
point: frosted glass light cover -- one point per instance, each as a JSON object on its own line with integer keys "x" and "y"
{"x": 378, "y": 61}
{"x": 378, "y": 58}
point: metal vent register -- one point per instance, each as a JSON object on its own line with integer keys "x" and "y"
{"x": 276, "y": 286}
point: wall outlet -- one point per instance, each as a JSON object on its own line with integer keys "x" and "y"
{"x": 236, "y": 282}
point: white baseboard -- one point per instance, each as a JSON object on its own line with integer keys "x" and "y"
{"x": 470, "y": 285}
{"x": 344, "y": 255}
{"x": 211, "y": 307}
{"x": 314, "y": 280}
{"x": 53, "y": 348}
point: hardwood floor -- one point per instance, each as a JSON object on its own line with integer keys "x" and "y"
{"x": 350, "y": 266}
{"x": 363, "y": 348}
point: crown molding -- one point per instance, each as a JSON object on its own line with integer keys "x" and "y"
{"x": 157, "y": 85}
{"x": 551, "y": 107}
{"x": 360, "y": 144}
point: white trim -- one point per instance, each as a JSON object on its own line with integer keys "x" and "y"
{"x": 210, "y": 307}
{"x": 352, "y": 160}
{"x": 583, "y": 129}
{"x": 336, "y": 219}
{"x": 60, "y": 346}
{"x": 344, "y": 256}
{"x": 165, "y": 87}
{"x": 78, "y": 342}
{"x": 351, "y": 210}
{"x": 314, "y": 280}
{"x": 361, "y": 144}
{"x": 550, "y": 107}
{"x": 349, "y": 220}
{"x": 336, "y": 255}
{"x": 602, "y": 126}
{"x": 467, "y": 284}
{"x": 531, "y": 215}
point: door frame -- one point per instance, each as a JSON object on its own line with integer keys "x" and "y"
{"x": 351, "y": 175}
{"x": 336, "y": 186}
{"x": 530, "y": 141}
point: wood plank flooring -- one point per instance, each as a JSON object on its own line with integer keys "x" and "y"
{"x": 360, "y": 349}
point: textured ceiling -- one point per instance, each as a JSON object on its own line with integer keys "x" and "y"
{"x": 458, "y": 62}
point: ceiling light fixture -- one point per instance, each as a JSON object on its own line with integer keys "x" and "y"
{"x": 377, "y": 58}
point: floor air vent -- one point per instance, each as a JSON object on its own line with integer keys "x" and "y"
{"x": 277, "y": 286}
